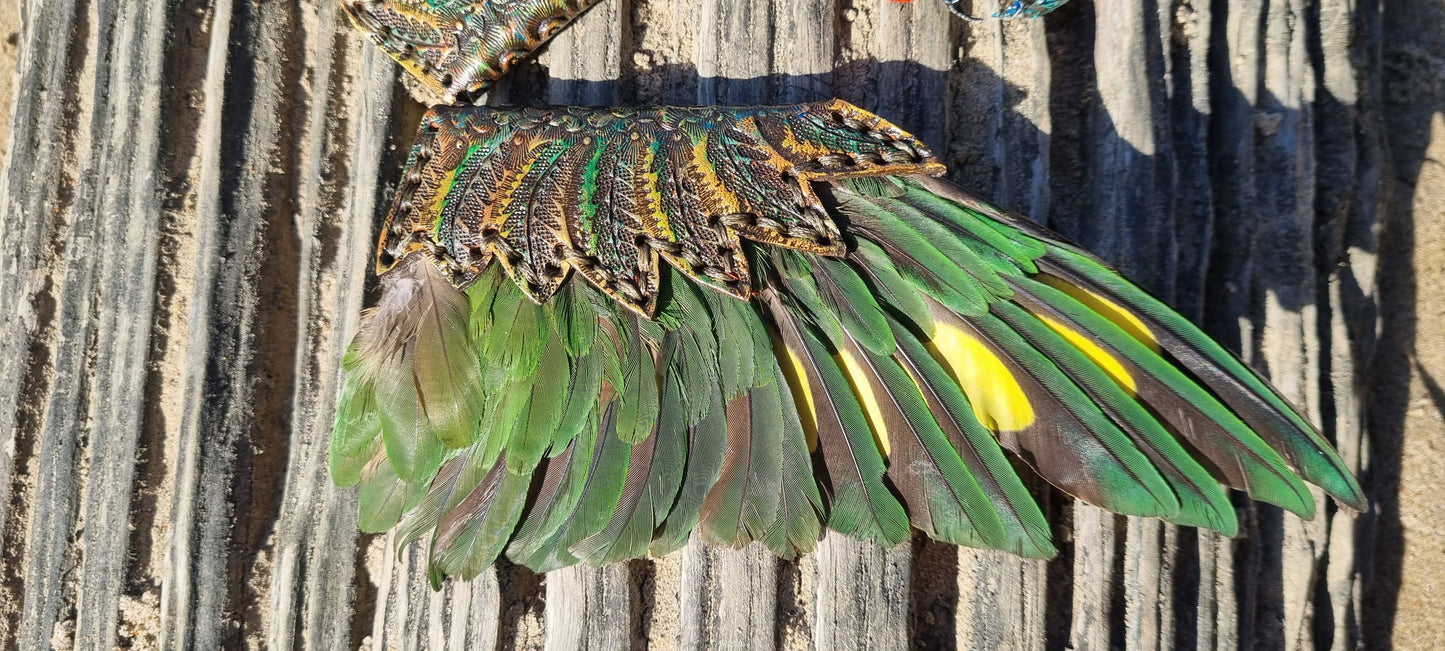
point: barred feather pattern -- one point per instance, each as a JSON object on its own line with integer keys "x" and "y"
{"x": 898, "y": 379}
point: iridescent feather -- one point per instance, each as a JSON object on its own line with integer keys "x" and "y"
{"x": 782, "y": 320}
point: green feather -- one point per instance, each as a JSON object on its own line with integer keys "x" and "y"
{"x": 412, "y": 446}
{"x": 596, "y": 504}
{"x": 1018, "y": 253}
{"x": 1202, "y": 502}
{"x": 695, "y": 359}
{"x": 888, "y": 285}
{"x": 1208, "y": 425}
{"x": 942, "y": 497}
{"x": 845, "y": 295}
{"x": 1250, "y": 397}
{"x": 470, "y": 537}
{"x": 874, "y": 186}
{"x": 358, "y": 426}
{"x": 653, "y": 478}
{"x": 382, "y": 497}
{"x": 512, "y": 332}
{"x": 637, "y": 396}
{"x": 1026, "y": 532}
{"x": 731, "y": 322}
{"x": 550, "y": 389}
{"x": 986, "y": 270}
{"x": 415, "y": 352}
{"x": 441, "y": 496}
{"x": 575, "y": 319}
{"x": 563, "y": 482}
{"x": 1072, "y": 444}
{"x": 860, "y": 505}
{"x": 706, "y": 451}
{"x": 799, "y": 522}
{"x": 743, "y": 504}
{"x": 796, "y": 273}
{"x": 582, "y": 391}
{"x": 917, "y": 259}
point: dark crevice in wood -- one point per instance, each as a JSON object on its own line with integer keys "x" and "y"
{"x": 1186, "y": 584}
{"x": 525, "y": 594}
{"x": 363, "y": 604}
{"x": 642, "y": 579}
{"x": 792, "y": 607}
{"x": 1059, "y": 602}
{"x": 933, "y": 602}
{"x": 260, "y": 461}
{"x": 1118, "y": 635}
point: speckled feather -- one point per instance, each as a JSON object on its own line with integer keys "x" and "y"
{"x": 609, "y": 192}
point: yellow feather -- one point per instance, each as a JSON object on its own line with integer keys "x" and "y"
{"x": 864, "y": 390}
{"x": 1107, "y": 309}
{"x": 797, "y": 378}
{"x": 998, "y": 400}
{"x": 1099, "y": 355}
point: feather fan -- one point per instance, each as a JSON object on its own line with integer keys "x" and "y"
{"x": 780, "y": 320}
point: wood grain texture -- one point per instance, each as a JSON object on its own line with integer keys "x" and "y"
{"x": 190, "y": 198}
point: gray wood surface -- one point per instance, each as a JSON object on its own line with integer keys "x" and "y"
{"x": 189, "y": 201}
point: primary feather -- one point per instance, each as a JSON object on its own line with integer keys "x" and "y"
{"x": 782, "y": 321}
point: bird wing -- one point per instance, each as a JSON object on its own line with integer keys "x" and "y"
{"x": 785, "y": 320}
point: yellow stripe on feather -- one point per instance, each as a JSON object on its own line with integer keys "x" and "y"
{"x": 797, "y": 378}
{"x": 864, "y": 390}
{"x": 1095, "y": 353}
{"x": 998, "y": 400}
{"x": 1105, "y": 308}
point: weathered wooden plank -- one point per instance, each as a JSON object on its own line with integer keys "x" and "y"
{"x": 126, "y": 212}
{"x": 91, "y": 243}
{"x": 35, "y": 189}
{"x": 728, "y": 598}
{"x": 1350, "y": 194}
{"x": 179, "y": 444}
{"x": 1288, "y": 345}
{"x": 806, "y": 48}
{"x": 589, "y": 608}
{"x": 220, "y": 409}
{"x": 410, "y": 616}
{"x": 860, "y": 594}
{"x": 1187, "y": 45}
{"x": 734, "y": 51}
{"x": 314, "y": 528}
{"x": 1235, "y": 57}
